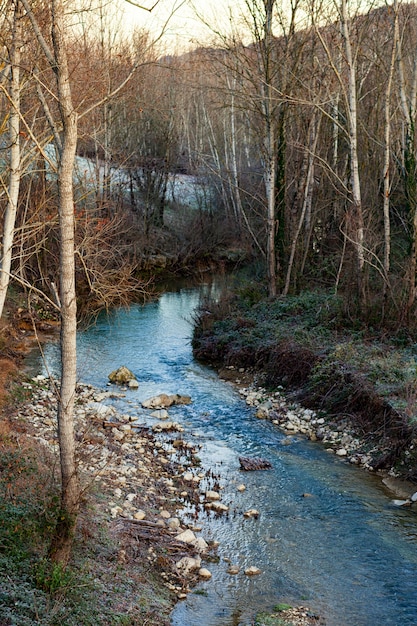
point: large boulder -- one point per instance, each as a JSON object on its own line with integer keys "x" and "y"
{"x": 121, "y": 376}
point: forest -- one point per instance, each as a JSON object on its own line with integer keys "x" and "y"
{"x": 298, "y": 147}
{"x": 285, "y": 145}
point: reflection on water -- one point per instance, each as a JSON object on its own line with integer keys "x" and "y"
{"x": 345, "y": 551}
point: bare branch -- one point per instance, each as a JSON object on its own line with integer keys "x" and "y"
{"x": 140, "y": 6}
{"x": 136, "y": 65}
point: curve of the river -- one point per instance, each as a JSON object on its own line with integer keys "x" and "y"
{"x": 345, "y": 551}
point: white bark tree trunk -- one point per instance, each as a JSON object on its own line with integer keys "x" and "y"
{"x": 70, "y": 488}
{"x": 62, "y": 540}
{"x": 387, "y": 157}
{"x": 15, "y": 161}
{"x": 270, "y": 152}
{"x": 356, "y": 202}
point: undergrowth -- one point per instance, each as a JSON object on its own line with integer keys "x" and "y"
{"x": 96, "y": 589}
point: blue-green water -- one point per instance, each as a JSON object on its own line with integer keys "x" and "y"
{"x": 345, "y": 552}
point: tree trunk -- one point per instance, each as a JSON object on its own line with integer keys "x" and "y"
{"x": 356, "y": 213}
{"x": 62, "y": 541}
{"x": 408, "y": 106}
{"x": 270, "y": 153}
{"x": 15, "y": 164}
{"x": 387, "y": 159}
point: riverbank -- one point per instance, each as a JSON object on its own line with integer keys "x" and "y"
{"x": 128, "y": 541}
{"x": 338, "y": 438}
{"x": 134, "y": 554}
{"x": 360, "y": 386}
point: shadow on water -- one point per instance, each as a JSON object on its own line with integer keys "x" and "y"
{"x": 343, "y": 550}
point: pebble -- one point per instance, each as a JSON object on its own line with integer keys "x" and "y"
{"x": 295, "y": 419}
{"x": 212, "y": 495}
{"x": 219, "y": 507}
{"x": 252, "y": 571}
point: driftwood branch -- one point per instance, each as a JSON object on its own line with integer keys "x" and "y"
{"x": 251, "y": 464}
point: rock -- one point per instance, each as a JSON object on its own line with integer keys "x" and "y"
{"x": 187, "y": 564}
{"x": 233, "y": 570}
{"x": 164, "y": 400}
{"x": 252, "y": 571}
{"x": 174, "y": 523}
{"x": 262, "y": 412}
{"x": 187, "y": 537}
{"x": 219, "y": 507}
{"x": 115, "y": 511}
{"x": 139, "y": 515}
{"x": 251, "y": 513}
{"x": 160, "y": 414}
{"x": 402, "y": 502}
{"x": 212, "y": 495}
{"x": 401, "y": 488}
{"x": 121, "y": 376}
{"x": 100, "y": 409}
{"x": 201, "y": 545}
{"x": 204, "y": 573}
{"x": 165, "y": 514}
{"x": 341, "y": 452}
{"x": 133, "y": 384}
{"x": 167, "y": 426}
{"x": 118, "y": 434}
{"x": 241, "y": 488}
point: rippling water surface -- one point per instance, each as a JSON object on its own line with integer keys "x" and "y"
{"x": 345, "y": 551}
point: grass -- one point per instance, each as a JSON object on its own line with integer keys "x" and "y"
{"x": 97, "y": 589}
{"x": 244, "y": 327}
{"x": 267, "y": 619}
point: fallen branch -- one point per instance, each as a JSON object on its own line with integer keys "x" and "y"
{"x": 247, "y": 464}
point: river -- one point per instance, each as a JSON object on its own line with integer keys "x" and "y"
{"x": 346, "y": 551}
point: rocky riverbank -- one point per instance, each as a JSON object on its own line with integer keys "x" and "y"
{"x": 143, "y": 479}
{"x": 143, "y": 485}
{"x": 339, "y": 437}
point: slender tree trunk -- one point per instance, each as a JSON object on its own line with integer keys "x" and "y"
{"x": 408, "y": 106}
{"x": 233, "y": 142}
{"x": 387, "y": 160}
{"x": 270, "y": 173}
{"x": 356, "y": 202}
{"x": 270, "y": 152}
{"x": 62, "y": 541}
{"x": 15, "y": 161}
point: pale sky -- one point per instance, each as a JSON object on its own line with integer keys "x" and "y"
{"x": 184, "y": 29}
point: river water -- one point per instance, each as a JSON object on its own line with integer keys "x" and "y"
{"x": 345, "y": 551}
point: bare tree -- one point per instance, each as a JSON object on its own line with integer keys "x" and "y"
{"x": 65, "y": 132}
{"x": 15, "y": 15}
